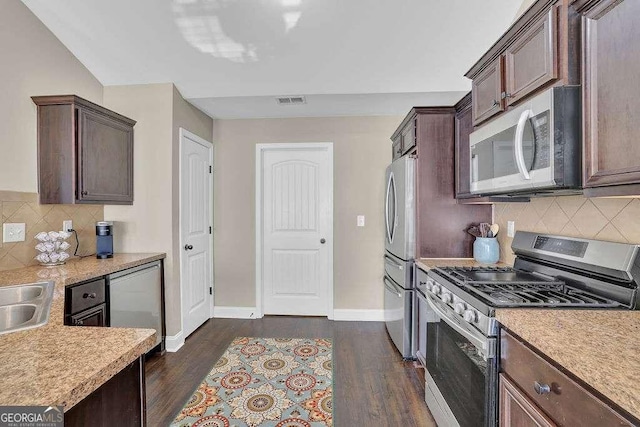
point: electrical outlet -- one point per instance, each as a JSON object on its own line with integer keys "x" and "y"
{"x": 67, "y": 225}
{"x": 511, "y": 228}
{"x": 360, "y": 221}
{"x": 13, "y": 232}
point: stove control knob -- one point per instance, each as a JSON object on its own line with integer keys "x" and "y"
{"x": 447, "y": 298}
{"x": 460, "y": 308}
{"x": 429, "y": 284}
{"x": 470, "y": 316}
{"x": 435, "y": 289}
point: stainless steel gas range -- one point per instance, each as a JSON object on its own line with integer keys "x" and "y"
{"x": 461, "y": 348}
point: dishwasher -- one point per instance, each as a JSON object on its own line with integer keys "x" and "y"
{"x": 135, "y": 299}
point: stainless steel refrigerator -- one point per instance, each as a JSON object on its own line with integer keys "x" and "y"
{"x": 400, "y": 245}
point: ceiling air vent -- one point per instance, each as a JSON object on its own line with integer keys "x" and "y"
{"x": 291, "y": 100}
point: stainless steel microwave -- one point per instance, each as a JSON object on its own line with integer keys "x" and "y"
{"x": 533, "y": 148}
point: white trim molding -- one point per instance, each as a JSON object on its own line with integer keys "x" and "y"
{"x": 173, "y": 343}
{"x": 226, "y": 312}
{"x": 358, "y": 315}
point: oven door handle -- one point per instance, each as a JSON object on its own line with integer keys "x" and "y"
{"x": 477, "y": 339}
{"x": 518, "y": 145}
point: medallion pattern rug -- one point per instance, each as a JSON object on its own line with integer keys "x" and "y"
{"x": 279, "y": 382}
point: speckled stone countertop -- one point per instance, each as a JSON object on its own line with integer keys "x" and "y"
{"x": 74, "y": 271}
{"x": 601, "y": 347}
{"x": 429, "y": 263}
{"x": 61, "y": 365}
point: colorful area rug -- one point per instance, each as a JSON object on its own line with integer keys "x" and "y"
{"x": 280, "y": 382}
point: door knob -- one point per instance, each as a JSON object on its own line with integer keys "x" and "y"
{"x": 188, "y": 247}
{"x": 323, "y": 241}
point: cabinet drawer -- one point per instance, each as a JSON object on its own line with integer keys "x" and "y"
{"x": 566, "y": 402}
{"x": 96, "y": 316}
{"x": 85, "y": 295}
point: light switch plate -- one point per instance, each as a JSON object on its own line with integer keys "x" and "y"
{"x": 360, "y": 220}
{"x": 13, "y": 232}
{"x": 511, "y": 228}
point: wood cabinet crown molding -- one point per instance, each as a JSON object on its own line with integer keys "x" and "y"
{"x": 75, "y": 99}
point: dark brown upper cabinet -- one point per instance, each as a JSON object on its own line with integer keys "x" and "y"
{"x": 532, "y": 60}
{"x": 611, "y": 105}
{"x": 404, "y": 139}
{"x": 540, "y": 49}
{"x": 85, "y": 152}
{"x": 486, "y": 89}
{"x": 463, "y": 128}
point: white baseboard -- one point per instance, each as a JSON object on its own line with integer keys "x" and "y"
{"x": 174, "y": 343}
{"x": 226, "y": 312}
{"x": 358, "y": 315}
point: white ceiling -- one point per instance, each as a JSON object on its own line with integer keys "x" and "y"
{"x": 232, "y": 57}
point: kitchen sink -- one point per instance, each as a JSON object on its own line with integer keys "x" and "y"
{"x": 25, "y": 306}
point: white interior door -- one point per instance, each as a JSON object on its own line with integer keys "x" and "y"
{"x": 297, "y": 229}
{"x": 196, "y": 260}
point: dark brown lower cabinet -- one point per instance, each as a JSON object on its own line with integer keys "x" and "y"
{"x": 536, "y": 387}
{"x": 121, "y": 401}
{"x": 517, "y": 410}
{"x": 96, "y": 316}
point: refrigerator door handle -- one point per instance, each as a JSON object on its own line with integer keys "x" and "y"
{"x": 386, "y": 209}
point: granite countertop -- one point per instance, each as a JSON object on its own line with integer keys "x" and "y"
{"x": 429, "y": 263}
{"x": 61, "y": 365}
{"x": 601, "y": 347}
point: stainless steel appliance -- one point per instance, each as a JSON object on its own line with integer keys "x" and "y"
{"x": 135, "y": 298}
{"x": 399, "y": 253}
{"x": 549, "y": 271}
{"x": 533, "y": 148}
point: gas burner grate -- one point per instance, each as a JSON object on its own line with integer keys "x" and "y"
{"x": 554, "y": 294}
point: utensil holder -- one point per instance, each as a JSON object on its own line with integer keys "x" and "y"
{"x": 486, "y": 250}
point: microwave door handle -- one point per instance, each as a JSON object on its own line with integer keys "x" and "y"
{"x": 477, "y": 339}
{"x": 522, "y": 167}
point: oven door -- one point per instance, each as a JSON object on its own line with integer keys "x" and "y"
{"x": 461, "y": 373}
{"x": 515, "y": 151}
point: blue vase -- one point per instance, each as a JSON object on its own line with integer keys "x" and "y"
{"x": 486, "y": 250}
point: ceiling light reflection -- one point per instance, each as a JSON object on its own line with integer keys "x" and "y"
{"x": 236, "y": 30}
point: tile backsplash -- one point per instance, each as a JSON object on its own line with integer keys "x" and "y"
{"x": 24, "y": 208}
{"x": 611, "y": 219}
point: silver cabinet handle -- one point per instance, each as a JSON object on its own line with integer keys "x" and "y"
{"x": 541, "y": 388}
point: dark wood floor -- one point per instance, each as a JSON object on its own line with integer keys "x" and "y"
{"x": 373, "y": 386}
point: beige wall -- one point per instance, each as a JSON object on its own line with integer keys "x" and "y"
{"x": 34, "y": 62}
{"x": 362, "y": 151}
{"x": 151, "y": 224}
{"x": 616, "y": 220}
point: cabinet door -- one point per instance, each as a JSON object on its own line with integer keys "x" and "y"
{"x": 516, "y": 410}
{"x": 105, "y": 159}
{"x": 464, "y": 127}
{"x": 611, "y": 78}
{"x": 409, "y": 136}
{"x": 486, "y": 90}
{"x": 532, "y": 60}
{"x": 396, "y": 148}
{"x": 93, "y": 317}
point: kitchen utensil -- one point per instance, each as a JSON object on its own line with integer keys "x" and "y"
{"x": 484, "y": 229}
{"x": 474, "y": 231}
{"x": 495, "y": 228}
